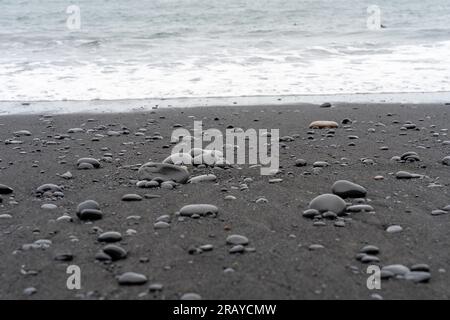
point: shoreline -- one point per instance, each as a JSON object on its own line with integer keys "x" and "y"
{"x": 288, "y": 255}
{"x": 142, "y": 105}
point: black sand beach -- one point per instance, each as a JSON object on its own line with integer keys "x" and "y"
{"x": 286, "y": 262}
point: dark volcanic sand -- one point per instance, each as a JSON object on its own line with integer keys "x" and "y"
{"x": 282, "y": 267}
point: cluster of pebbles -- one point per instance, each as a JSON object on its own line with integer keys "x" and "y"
{"x": 343, "y": 202}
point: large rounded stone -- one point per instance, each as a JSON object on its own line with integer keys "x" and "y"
{"x": 163, "y": 171}
{"x": 328, "y": 202}
{"x": 347, "y": 189}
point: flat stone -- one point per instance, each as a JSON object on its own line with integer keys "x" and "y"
{"x": 203, "y": 178}
{"x": 347, "y": 189}
{"x": 131, "y": 197}
{"x": 131, "y": 279}
{"x": 420, "y": 267}
{"x": 48, "y": 187}
{"x": 21, "y": 133}
{"x": 191, "y": 296}
{"x": 93, "y": 162}
{"x": 418, "y": 276}
{"x": 237, "y": 249}
{"x": 110, "y": 236}
{"x": 323, "y": 124}
{"x": 396, "y": 269}
{"x": 394, "y": 229}
{"x": 161, "y": 225}
{"x": 310, "y": 213}
{"x": 65, "y": 257}
{"x": 155, "y": 287}
{"x": 90, "y": 214}
{"x": 370, "y": 249}
{"x": 49, "y": 206}
{"x": 328, "y": 202}
{"x": 360, "y": 208}
{"x": 368, "y": 258}
{"x": 4, "y": 189}
{"x": 406, "y": 175}
{"x": 316, "y": 247}
{"x": 199, "y": 209}
{"x": 438, "y": 212}
{"x": 320, "y": 164}
{"x": 163, "y": 171}
{"x": 236, "y": 239}
{"x": 115, "y": 252}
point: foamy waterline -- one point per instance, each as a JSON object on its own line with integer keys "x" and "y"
{"x": 409, "y": 68}
{"x": 142, "y": 105}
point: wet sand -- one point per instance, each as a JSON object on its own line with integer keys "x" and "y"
{"x": 283, "y": 264}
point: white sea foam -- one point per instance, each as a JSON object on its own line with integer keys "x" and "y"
{"x": 174, "y": 49}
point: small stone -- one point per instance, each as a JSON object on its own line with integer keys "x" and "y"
{"x": 89, "y": 210}
{"x": 90, "y": 214}
{"x": 49, "y": 206}
{"x": 237, "y": 249}
{"x": 115, "y": 252}
{"x": 418, "y": 276}
{"x": 328, "y": 202}
{"x": 322, "y": 124}
{"x": 48, "y": 188}
{"x": 367, "y": 258}
{"x": 22, "y": 133}
{"x": 360, "y": 208}
{"x": 91, "y": 161}
{"x": 29, "y": 291}
{"x": 110, "y": 236}
{"x": 154, "y": 287}
{"x": 236, "y": 239}
{"x": 300, "y": 163}
{"x": 370, "y": 249}
{"x": 438, "y": 212}
{"x": 131, "y": 197}
{"x": 396, "y": 269}
{"x": 394, "y": 229}
{"x": 131, "y": 278}
{"x": 199, "y": 209}
{"x": 4, "y": 189}
{"x": 68, "y": 175}
{"x": 420, "y": 267}
{"x": 446, "y": 161}
{"x": 161, "y": 225}
{"x": 406, "y": 175}
{"x": 315, "y": 247}
{"x": 203, "y": 178}
{"x": 310, "y": 213}
{"x": 163, "y": 171}
{"x": 67, "y": 256}
{"x": 191, "y": 296}
{"x": 347, "y": 189}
